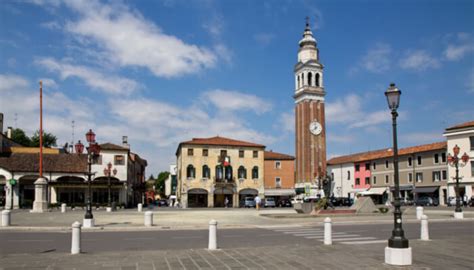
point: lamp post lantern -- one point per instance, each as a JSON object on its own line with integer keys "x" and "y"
{"x": 108, "y": 172}
{"x": 93, "y": 151}
{"x": 453, "y": 161}
{"x": 398, "y": 252}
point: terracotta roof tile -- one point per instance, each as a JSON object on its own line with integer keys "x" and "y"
{"x": 218, "y": 141}
{"x": 463, "y": 125}
{"x": 270, "y": 155}
{"x": 23, "y": 162}
{"x": 388, "y": 152}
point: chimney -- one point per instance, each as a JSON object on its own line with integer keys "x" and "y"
{"x": 1, "y": 123}
{"x": 9, "y": 132}
{"x": 125, "y": 142}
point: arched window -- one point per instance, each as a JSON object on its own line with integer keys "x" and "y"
{"x": 219, "y": 172}
{"x": 310, "y": 77}
{"x": 206, "y": 172}
{"x": 228, "y": 173}
{"x": 302, "y": 78}
{"x": 317, "y": 79}
{"x": 298, "y": 81}
{"x": 255, "y": 172}
{"x": 190, "y": 171}
{"x": 242, "y": 173}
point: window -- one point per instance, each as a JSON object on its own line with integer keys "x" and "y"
{"x": 97, "y": 160}
{"x": 367, "y": 166}
{"x": 255, "y": 172}
{"x": 357, "y": 181}
{"x": 419, "y": 177}
{"x": 255, "y": 154}
{"x": 317, "y": 79}
{"x": 374, "y": 166}
{"x": 386, "y": 164}
{"x": 410, "y": 177}
{"x": 471, "y": 140}
{"x": 367, "y": 180}
{"x": 190, "y": 172}
{"x": 310, "y": 77}
{"x": 206, "y": 172}
{"x": 190, "y": 152}
{"x": 223, "y": 153}
{"x": 205, "y": 152}
{"x": 443, "y": 157}
{"x": 119, "y": 160}
{"x": 445, "y": 175}
{"x": 357, "y": 167}
{"x": 436, "y": 176}
{"x": 302, "y": 78}
{"x": 228, "y": 173}
{"x": 241, "y": 153}
{"x": 219, "y": 173}
{"x": 436, "y": 158}
{"x": 348, "y": 175}
{"x": 242, "y": 173}
{"x": 418, "y": 160}
{"x": 277, "y": 165}
{"x": 277, "y": 182}
{"x": 386, "y": 179}
{"x": 409, "y": 161}
{"x": 472, "y": 168}
{"x": 375, "y": 180}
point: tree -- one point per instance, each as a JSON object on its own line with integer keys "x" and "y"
{"x": 160, "y": 182}
{"x": 19, "y": 136}
{"x": 48, "y": 139}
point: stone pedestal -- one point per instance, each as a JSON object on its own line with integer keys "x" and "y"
{"x": 88, "y": 222}
{"x": 40, "y": 205}
{"x": 398, "y": 256}
{"x": 458, "y": 215}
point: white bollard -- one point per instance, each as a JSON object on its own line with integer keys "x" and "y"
{"x": 76, "y": 238}
{"x": 425, "y": 235}
{"x": 140, "y": 207}
{"x": 148, "y": 218}
{"x": 327, "y": 231}
{"x": 63, "y": 208}
{"x": 212, "y": 235}
{"x": 6, "y": 218}
{"x": 419, "y": 212}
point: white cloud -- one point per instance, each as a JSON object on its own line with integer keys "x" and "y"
{"x": 421, "y": 137}
{"x": 372, "y": 119}
{"x": 233, "y": 100}
{"x": 377, "y": 59}
{"x": 52, "y": 25}
{"x": 460, "y": 47}
{"x": 49, "y": 83}
{"x": 108, "y": 83}
{"x": 128, "y": 39}
{"x": 264, "y": 39}
{"x": 418, "y": 60}
{"x": 286, "y": 122}
{"x": 340, "y": 138}
{"x": 9, "y": 82}
{"x": 470, "y": 81}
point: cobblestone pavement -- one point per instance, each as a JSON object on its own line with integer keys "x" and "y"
{"x": 446, "y": 254}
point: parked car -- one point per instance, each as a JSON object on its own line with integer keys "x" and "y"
{"x": 427, "y": 201}
{"x": 249, "y": 202}
{"x": 270, "y": 202}
{"x": 347, "y": 201}
{"x": 162, "y": 203}
{"x": 284, "y": 203}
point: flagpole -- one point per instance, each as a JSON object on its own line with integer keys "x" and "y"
{"x": 41, "y": 131}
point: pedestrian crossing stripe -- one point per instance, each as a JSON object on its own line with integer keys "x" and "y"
{"x": 334, "y": 236}
{"x": 364, "y": 242}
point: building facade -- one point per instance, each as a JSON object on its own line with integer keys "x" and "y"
{"x": 216, "y": 170}
{"x": 279, "y": 178}
{"x": 310, "y": 128}
{"x": 461, "y": 135}
{"x": 342, "y": 175}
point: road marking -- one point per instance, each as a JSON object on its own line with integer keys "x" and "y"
{"x": 297, "y": 230}
{"x": 31, "y": 240}
{"x": 322, "y": 233}
{"x": 353, "y": 238}
{"x": 364, "y": 242}
{"x": 334, "y": 236}
{"x": 269, "y": 234}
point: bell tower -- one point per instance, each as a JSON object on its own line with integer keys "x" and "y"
{"x": 309, "y": 113}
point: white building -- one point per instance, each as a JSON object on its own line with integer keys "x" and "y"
{"x": 461, "y": 135}
{"x": 343, "y": 178}
{"x": 171, "y": 182}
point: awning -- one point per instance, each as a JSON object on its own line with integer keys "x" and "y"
{"x": 358, "y": 190}
{"x": 402, "y": 188}
{"x": 425, "y": 189}
{"x": 374, "y": 191}
{"x": 279, "y": 192}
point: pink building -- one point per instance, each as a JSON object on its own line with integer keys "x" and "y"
{"x": 362, "y": 175}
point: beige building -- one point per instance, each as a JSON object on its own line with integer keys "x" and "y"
{"x": 216, "y": 170}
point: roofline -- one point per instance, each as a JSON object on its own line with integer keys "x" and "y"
{"x": 217, "y": 145}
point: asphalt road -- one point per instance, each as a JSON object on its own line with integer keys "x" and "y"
{"x": 96, "y": 241}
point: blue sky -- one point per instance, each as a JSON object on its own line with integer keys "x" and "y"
{"x": 162, "y": 72}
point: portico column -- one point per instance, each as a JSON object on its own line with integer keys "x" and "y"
{"x": 210, "y": 199}
{"x": 40, "y": 204}
{"x": 235, "y": 201}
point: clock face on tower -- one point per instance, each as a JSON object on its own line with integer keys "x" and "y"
{"x": 315, "y": 128}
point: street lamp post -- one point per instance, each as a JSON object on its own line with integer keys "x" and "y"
{"x": 108, "y": 172}
{"x": 398, "y": 252}
{"x": 93, "y": 150}
{"x": 453, "y": 161}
